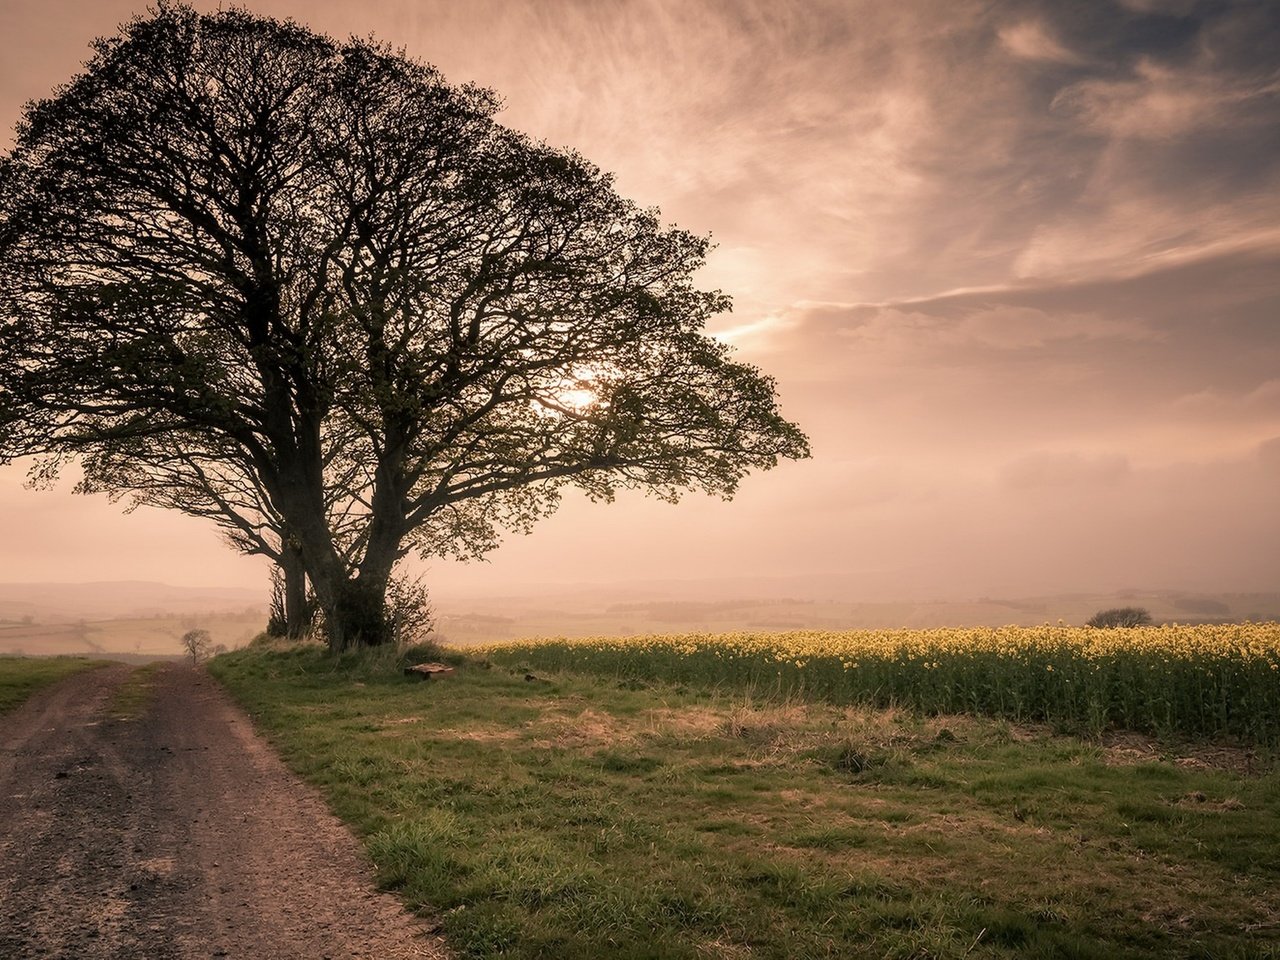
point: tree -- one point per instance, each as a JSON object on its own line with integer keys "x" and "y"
{"x": 290, "y": 610}
{"x": 1120, "y": 617}
{"x": 384, "y": 322}
{"x": 197, "y": 643}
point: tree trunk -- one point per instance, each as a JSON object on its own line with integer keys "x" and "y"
{"x": 355, "y": 612}
{"x": 353, "y": 601}
{"x": 296, "y": 612}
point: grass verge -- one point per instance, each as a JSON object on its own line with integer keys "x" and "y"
{"x": 131, "y": 698}
{"x": 20, "y": 677}
{"x": 572, "y": 816}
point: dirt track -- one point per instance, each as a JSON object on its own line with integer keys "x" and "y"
{"x": 175, "y": 835}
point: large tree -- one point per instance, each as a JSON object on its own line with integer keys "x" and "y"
{"x": 321, "y": 275}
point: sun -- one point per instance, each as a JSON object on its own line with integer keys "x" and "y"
{"x": 574, "y": 393}
{"x": 578, "y": 399}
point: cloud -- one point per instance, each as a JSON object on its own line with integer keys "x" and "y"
{"x": 1168, "y": 143}
{"x": 1269, "y": 455}
{"x": 1135, "y": 230}
{"x": 1174, "y": 364}
{"x": 1259, "y": 402}
{"x": 1171, "y": 7}
{"x": 1159, "y": 102}
{"x": 999, "y": 318}
{"x": 1065, "y": 470}
{"x": 1030, "y": 40}
{"x": 1000, "y": 327}
{"x": 860, "y": 151}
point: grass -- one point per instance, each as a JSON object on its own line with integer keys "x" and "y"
{"x": 131, "y": 699}
{"x": 581, "y": 817}
{"x": 20, "y": 677}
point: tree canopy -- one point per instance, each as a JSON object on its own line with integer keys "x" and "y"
{"x": 1120, "y": 617}
{"x": 301, "y": 285}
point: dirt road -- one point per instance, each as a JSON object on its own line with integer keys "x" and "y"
{"x": 178, "y": 834}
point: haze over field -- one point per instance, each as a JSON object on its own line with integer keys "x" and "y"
{"x": 148, "y": 619}
{"x": 1016, "y": 269}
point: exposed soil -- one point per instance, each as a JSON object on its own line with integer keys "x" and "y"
{"x": 1124, "y": 748}
{"x": 178, "y": 834}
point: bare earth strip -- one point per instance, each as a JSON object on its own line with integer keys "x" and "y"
{"x": 175, "y": 835}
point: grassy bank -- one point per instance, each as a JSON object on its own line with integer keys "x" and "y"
{"x": 580, "y": 817}
{"x": 20, "y": 677}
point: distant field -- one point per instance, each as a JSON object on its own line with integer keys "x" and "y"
{"x": 20, "y": 677}
{"x": 553, "y": 812}
{"x": 144, "y": 636}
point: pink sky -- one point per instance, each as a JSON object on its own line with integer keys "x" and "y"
{"x": 1016, "y": 270}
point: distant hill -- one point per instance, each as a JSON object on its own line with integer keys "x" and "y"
{"x": 69, "y": 602}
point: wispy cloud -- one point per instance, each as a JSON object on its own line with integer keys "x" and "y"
{"x": 1031, "y": 40}
{"x": 862, "y": 150}
{"x": 1159, "y": 102}
{"x": 1066, "y": 470}
{"x": 1240, "y": 405}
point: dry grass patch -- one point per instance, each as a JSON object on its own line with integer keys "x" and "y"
{"x": 1197, "y": 799}
{"x": 1124, "y": 748}
{"x": 693, "y": 722}
{"x": 586, "y": 730}
{"x": 722, "y": 950}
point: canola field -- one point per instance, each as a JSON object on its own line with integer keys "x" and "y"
{"x": 1220, "y": 681}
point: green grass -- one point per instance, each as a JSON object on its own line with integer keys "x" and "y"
{"x": 575, "y": 817}
{"x": 131, "y": 699}
{"x": 20, "y": 677}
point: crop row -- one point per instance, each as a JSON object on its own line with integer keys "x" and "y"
{"x": 1201, "y": 681}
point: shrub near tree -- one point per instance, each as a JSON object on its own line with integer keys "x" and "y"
{"x": 313, "y": 292}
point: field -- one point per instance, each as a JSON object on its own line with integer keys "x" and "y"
{"x": 645, "y": 799}
{"x": 1215, "y": 681}
{"x": 153, "y": 636}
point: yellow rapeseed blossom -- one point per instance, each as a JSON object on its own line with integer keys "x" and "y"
{"x": 1169, "y": 643}
{"x": 1203, "y": 680}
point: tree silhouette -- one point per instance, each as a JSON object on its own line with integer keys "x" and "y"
{"x": 1120, "y": 617}
{"x": 321, "y": 275}
{"x": 198, "y": 644}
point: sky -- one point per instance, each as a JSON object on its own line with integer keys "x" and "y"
{"x": 1015, "y": 267}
